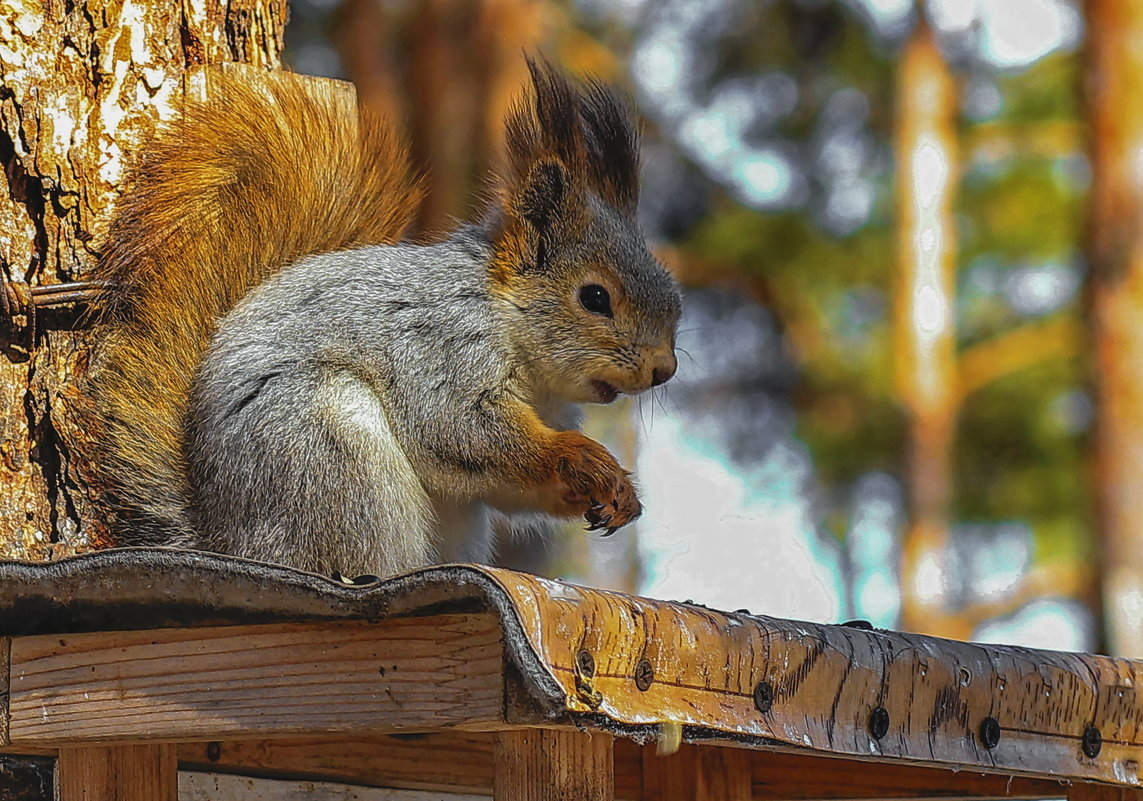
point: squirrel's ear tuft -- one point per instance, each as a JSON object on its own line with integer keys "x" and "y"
{"x": 545, "y": 125}
{"x": 587, "y": 129}
{"x": 612, "y": 142}
{"x": 542, "y": 193}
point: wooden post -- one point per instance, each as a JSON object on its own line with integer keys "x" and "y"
{"x": 697, "y": 773}
{"x": 118, "y": 773}
{"x": 553, "y": 765}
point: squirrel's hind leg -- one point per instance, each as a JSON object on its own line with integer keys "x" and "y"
{"x": 307, "y": 473}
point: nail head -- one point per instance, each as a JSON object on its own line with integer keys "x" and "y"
{"x": 879, "y": 722}
{"x": 644, "y": 675}
{"x": 763, "y": 696}
{"x": 990, "y": 733}
{"x": 1092, "y": 742}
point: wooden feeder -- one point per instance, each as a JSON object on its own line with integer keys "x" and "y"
{"x": 148, "y": 674}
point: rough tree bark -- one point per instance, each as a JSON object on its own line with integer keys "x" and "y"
{"x": 82, "y": 85}
{"x": 1114, "y": 92}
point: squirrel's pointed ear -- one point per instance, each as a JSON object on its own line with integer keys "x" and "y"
{"x": 540, "y": 197}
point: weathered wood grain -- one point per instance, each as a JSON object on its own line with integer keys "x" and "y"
{"x": 185, "y": 684}
{"x": 221, "y": 787}
{"x": 451, "y": 762}
{"x": 553, "y": 765}
{"x": 117, "y": 773}
{"x": 461, "y": 762}
{"x": 697, "y": 773}
{"x": 823, "y": 687}
{"x": 5, "y": 675}
{"x": 574, "y": 656}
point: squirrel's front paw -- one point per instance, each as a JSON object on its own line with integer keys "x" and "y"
{"x": 593, "y": 477}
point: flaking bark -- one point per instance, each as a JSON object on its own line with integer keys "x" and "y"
{"x": 82, "y": 86}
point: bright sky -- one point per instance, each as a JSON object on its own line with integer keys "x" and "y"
{"x": 731, "y": 536}
{"x": 1010, "y": 33}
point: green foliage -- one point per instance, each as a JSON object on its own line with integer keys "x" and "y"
{"x": 1016, "y": 456}
{"x": 1025, "y": 209}
{"x": 833, "y": 295}
{"x": 1043, "y": 92}
{"x": 1021, "y": 455}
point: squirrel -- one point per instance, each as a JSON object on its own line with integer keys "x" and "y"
{"x": 282, "y": 376}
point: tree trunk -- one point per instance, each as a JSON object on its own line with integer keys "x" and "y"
{"x": 460, "y": 69}
{"x": 81, "y": 87}
{"x": 924, "y": 332}
{"x": 1114, "y": 89}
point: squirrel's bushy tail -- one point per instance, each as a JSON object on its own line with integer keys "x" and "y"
{"x": 271, "y": 168}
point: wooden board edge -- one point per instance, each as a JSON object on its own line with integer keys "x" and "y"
{"x": 5, "y": 687}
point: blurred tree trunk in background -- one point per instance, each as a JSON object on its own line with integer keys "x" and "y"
{"x": 924, "y": 322}
{"x": 1114, "y": 92}
{"x": 447, "y": 69}
{"x": 81, "y": 86}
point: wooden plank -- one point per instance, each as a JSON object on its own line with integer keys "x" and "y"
{"x": 697, "y": 773}
{"x": 1096, "y": 792}
{"x": 553, "y": 765}
{"x": 186, "y": 684}
{"x": 801, "y": 777}
{"x": 447, "y": 761}
{"x": 451, "y": 762}
{"x": 117, "y": 773}
{"x": 834, "y": 689}
{"x": 461, "y": 762}
{"x": 223, "y": 787}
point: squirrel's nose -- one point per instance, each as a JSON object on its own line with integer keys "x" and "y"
{"x": 665, "y": 368}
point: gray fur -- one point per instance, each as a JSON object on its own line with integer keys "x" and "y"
{"x": 360, "y": 410}
{"x": 341, "y": 402}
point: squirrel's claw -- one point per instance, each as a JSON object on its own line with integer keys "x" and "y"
{"x": 589, "y": 471}
{"x": 596, "y": 517}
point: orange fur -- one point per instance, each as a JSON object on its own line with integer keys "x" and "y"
{"x": 273, "y": 167}
{"x": 566, "y": 473}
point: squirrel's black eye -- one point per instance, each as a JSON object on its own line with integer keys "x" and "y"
{"x": 595, "y": 299}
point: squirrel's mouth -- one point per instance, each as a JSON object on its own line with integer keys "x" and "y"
{"x": 605, "y": 392}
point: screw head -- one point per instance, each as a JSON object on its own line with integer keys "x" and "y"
{"x": 1092, "y": 742}
{"x": 644, "y": 675}
{"x": 990, "y": 733}
{"x": 214, "y": 751}
{"x": 879, "y": 722}
{"x": 585, "y": 663}
{"x": 763, "y": 696}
